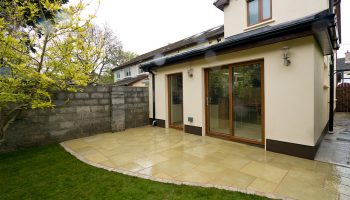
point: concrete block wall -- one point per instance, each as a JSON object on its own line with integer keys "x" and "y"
{"x": 97, "y": 109}
{"x": 134, "y": 102}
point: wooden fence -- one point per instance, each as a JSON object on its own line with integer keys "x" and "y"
{"x": 343, "y": 97}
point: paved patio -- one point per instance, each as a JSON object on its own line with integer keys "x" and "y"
{"x": 169, "y": 155}
{"x": 335, "y": 148}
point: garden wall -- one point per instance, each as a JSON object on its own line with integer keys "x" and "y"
{"x": 97, "y": 109}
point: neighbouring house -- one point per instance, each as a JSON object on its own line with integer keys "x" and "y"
{"x": 343, "y": 69}
{"x": 267, "y": 83}
{"x": 130, "y": 73}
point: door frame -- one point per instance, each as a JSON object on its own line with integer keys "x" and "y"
{"x": 232, "y": 137}
{"x": 169, "y": 101}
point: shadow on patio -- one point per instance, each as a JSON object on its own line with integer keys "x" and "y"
{"x": 169, "y": 155}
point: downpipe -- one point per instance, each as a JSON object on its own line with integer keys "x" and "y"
{"x": 154, "y": 121}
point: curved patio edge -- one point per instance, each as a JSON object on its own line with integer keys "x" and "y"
{"x": 161, "y": 180}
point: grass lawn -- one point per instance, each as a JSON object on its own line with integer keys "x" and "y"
{"x": 51, "y": 173}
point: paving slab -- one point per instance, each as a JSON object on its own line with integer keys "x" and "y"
{"x": 172, "y": 156}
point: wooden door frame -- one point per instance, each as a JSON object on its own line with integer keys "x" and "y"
{"x": 169, "y": 101}
{"x": 232, "y": 137}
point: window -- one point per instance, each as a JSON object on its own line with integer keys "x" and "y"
{"x": 127, "y": 72}
{"x": 258, "y": 11}
{"x": 140, "y": 70}
{"x": 118, "y": 74}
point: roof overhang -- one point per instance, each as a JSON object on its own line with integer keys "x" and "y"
{"x": 221, "y": 4}
{"x": 321, "y": 25}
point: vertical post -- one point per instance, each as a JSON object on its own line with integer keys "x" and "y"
{"x": 331, "y": 94}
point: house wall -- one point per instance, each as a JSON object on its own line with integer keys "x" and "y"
{"x": 134, "y": 69}
{"x": 290, "y": 106}
{"x": 321, "y": 91}
{"x": 282, "y": 11}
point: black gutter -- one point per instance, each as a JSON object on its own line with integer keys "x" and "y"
{"x": 154, "y": 121}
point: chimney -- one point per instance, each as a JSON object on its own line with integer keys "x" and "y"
{"x": 347, "y": 57}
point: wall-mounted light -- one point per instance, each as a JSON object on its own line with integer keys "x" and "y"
{"x": 286, "y": 57}
{"x": 190, "y": 72}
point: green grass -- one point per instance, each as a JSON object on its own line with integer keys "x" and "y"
{"x": 51, "y": 173}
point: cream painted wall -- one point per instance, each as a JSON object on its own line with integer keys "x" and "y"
{"x": 289, "y": 91}
{"x": 321, "y": 91}
{"x": 282, "y": 11}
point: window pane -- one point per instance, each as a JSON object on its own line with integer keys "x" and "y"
{"x": 176, "y": 100}
{"x": 247, "y": 104}
{"x": 253, "y": 11}
{"x": 218, "y": 101}
{"x": 266, "y": 9}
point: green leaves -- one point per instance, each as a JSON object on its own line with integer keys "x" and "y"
{"x": 59, "y": 60}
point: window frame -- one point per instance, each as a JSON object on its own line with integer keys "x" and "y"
{"x": 127, "y": 72}
{"x": 118, "y": 74}
{"x": 260, "y": 12}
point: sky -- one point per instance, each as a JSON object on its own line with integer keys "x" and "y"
{"x": 145, "y": 25}
{"x": 345, "y": 16}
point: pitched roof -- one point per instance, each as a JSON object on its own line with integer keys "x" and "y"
{"x": 318, "y": 22}
{"x": 204, "y": 36}
{"x": 342, "y": 66}
{"x": 131, "y": 80}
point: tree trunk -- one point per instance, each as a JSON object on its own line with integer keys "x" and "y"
{"x": 7, "y": 119}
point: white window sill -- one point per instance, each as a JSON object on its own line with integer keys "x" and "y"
{"x": 255, "y": 26}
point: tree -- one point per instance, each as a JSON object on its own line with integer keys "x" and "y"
{"x": 110, "y": 53}
{"x": 60, "y": 59}
{"x": 30, "y": 20}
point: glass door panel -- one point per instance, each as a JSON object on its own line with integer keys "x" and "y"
{"x": 247, "y": 101}
{"x": 176, "y": 101}
{"x": 218, "y": 100}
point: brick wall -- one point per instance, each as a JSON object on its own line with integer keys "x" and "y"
{"x": 96, "y": 110}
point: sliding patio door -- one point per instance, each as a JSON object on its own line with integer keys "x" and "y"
{"x": 234, "y": 102}
{"x": 175, "y": 96}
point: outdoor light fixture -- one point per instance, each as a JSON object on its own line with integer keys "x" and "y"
{"x": 190, "y": 72}
{"x": 286, "y": 56}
